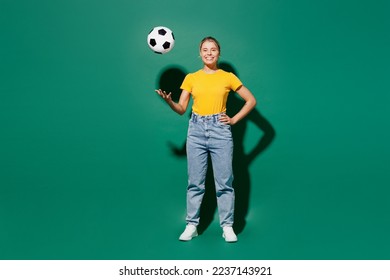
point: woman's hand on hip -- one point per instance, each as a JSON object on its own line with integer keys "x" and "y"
{"x": 225, "y": 119}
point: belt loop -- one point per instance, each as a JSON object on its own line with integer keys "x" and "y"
{"x": 194, "y": 117}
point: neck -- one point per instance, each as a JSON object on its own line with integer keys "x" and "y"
{"x": 210, "y": 68}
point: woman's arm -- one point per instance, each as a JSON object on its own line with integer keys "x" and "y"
{"x": 179, "y": 107}
{"x": 250, "y": 103}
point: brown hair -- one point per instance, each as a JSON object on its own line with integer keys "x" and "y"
{"x": 211, "y": 39}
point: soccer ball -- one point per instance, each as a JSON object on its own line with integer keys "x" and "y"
{"x": 161, "y": 39}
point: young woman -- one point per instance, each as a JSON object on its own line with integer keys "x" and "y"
{"x": 209, "y": 133}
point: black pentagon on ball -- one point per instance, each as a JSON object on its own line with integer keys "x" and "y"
{"x": 152, "y": 42}
{"x": 162, "y": 31}
{"x": 166, "y": 45}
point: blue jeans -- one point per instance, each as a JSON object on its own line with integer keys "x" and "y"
{"x": 207, "y": 135}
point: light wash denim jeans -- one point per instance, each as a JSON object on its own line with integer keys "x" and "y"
{"x": 207, "y": 135}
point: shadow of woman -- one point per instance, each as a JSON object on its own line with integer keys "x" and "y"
{"x": 170, "y": 80}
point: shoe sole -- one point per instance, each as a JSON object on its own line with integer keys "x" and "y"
{"x": 182, "y": 239}
{"x": 229, "y": 241}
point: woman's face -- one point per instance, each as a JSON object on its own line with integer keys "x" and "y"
{"x": 209, "y": 53}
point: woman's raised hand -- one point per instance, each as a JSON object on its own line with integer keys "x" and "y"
{"x": 166, "y": 96}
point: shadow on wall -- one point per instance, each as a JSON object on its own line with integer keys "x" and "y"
{"x": 170, "y": 80}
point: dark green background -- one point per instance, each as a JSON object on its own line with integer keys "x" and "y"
{"x": 86, "y": 156}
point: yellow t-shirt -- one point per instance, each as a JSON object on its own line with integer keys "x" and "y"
{"x": 210, "y": 91}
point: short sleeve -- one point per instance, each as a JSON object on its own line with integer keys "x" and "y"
{"x": 235, "y": 82}
{"x": 187, "y": 83}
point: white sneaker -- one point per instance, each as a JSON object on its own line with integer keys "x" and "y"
{"x": 229, "y": 234}
{"x": 188, "y": 233}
